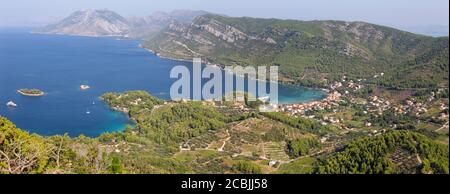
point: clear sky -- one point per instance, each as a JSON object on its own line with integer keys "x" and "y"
{"x": 386, "y": 12}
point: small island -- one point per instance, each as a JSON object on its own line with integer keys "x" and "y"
{"x": 31, "y": 92}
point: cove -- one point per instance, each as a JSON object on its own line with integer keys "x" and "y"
{"x": 58, "y": 65}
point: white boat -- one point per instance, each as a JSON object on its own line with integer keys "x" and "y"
{"x": 88, "y": 112}
{"x": 11, "y": 104}
{"x": 84, "y": 87}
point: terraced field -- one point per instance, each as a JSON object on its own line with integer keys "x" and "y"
{"x": 275, "y": 151}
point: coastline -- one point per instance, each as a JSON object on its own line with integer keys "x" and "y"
{"x": 327, "y": 90}
{"x": 209, "y": 64}
{"x": 162, "y": 56}
{"x": 222, "y": 67}
{"x": 47, "y": 94}
{"x": 81, "y": 35}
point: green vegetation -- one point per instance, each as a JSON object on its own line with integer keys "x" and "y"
{"x": 302, "y": 124}
{"x": 312, "y": 53}
{"x": 299, "y": 166}
{"x": 116, "y": 166}
{"x": 197, "y": 137}
{"x": 173, "y": 123}
{"x": 131, "y": 102}
{"x": 180, "y": 122}
{"x": 428, "y": 70}
{"x": 376, "y": 155}
{"x": 31, "y": 92}
{"x": 360, "y": 135}
{"x": 21, "y": 152}
{"x": 275, "y": 135}
{"x": 301, "y": 147}
{"x": 390, "y": 118}
{"x": 246, "y": 167}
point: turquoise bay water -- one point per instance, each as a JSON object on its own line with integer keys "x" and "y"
{"x": 58, "y": 65}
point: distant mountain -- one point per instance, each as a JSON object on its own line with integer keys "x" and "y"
{"x": 109, "y": 23}
{"x": 308, "y": 52}
{"x": 90, "y": 23}
{"x": 311, "y": 52}
{"x": 146, "y": 27}
{"x": 186, "y": 16}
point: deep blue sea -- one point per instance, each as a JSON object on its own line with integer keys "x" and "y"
{"x": 58, "y": 65}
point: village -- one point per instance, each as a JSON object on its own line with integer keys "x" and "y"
{"x": 344, "y": 93}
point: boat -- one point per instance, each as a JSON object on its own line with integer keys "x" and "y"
{"x": 11, "y": 104}
{"x": 84, "y": 87}
{"x": 88, "y": 112}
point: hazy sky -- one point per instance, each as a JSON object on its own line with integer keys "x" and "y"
{"x": 387, "y": 12}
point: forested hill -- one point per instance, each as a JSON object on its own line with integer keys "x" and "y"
{"x": 22, "y": 153}
{"x": 395, "y": 152}
{"x": 311, "y": 52}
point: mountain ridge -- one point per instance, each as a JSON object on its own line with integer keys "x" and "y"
{"x": 306, "y": 51}
{"x": 108, "y": 23}
{"x": 310, "y": 53}
{"x": 90, "y": 23}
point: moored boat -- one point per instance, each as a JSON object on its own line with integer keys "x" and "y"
{"x": 84, "y": 87}
{"x": 11, "y": 104}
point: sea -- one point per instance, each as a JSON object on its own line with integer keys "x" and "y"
{"x": 59, "y": 64}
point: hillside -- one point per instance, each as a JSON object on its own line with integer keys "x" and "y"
{"x": 310, "y": 52}
{"x": 217, "y": 137}
{"x": 396, "y": 152}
